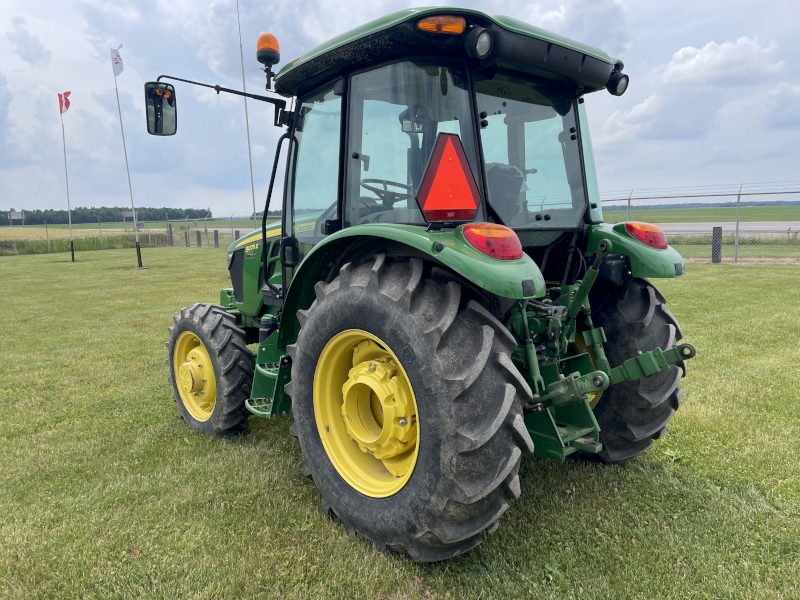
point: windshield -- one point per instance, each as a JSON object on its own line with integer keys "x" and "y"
{"x": 532, "y": 153}
{"x": 396, "y": 113}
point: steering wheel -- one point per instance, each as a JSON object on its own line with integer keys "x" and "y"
{"x": 387, "y": 196}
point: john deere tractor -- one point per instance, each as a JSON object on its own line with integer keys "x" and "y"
{"x": 441, "y": 295}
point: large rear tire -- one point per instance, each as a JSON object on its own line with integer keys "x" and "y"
{"x": 632, "y": 414}
{"x": 437, "y": 488}
{"x": 210, "y": 369}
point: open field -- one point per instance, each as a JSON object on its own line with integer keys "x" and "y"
{"x": 31, "y": 232}
{"x": 221, "y": 224}
{"x": 105, "y": 493}
{"x": 705, "y": 215}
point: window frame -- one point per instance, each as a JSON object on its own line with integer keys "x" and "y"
{"x": 290, "y": 178}
{"x": 484, "y": 209}
{"x": 580, "y": 225}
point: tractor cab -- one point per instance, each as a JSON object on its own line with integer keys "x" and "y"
{"x": 375, "y": 102}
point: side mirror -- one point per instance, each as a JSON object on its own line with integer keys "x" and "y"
{"x": 162, "y": 108}
{"x": 290, "y": 252}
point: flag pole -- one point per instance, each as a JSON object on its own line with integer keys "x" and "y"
{"x": 66, "y": 177}
{"x": 246, "y": 118}
{"x": 127, "y": 168}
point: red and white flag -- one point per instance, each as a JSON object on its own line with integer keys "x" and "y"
{"x": 63, "y": 102}
{"x": 116, "y": 60}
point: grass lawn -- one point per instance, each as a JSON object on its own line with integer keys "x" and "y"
{"x": 105, "y": 493}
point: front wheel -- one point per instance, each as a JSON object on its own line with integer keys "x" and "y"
{"x": 407, "y": 408}
{"x": 209, "y": 369}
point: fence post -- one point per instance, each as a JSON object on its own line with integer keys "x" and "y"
{"x": 716, "y": 245}
{"x": 216, "y": 238}
{"x": 100, "y": 228}
{"x": 199, "y": 239}
{"x": 629, "y": 205}
{"x": 170, "y": 241}
{"x": 46, "y": 234}
{"x": 236, "y": 237}
{"x": 186, "y": 237}
{"x": 736, "y": 238}
{"x": 149, "y": 237}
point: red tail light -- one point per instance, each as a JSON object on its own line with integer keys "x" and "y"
{"x": 496, "y": 241}
{"x": 652, "y": 235}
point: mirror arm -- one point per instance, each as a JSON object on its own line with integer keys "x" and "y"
{"x": 280, "y": 105}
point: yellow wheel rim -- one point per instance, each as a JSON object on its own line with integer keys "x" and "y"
{"x": 194, "y": 376}
{"x": 594, "y": 397}
{"x": 366, "y": 413}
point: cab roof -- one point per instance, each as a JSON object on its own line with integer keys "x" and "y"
{"x": 518, "y": 46}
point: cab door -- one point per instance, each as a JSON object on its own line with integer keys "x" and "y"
{"x": 312, "y": 194}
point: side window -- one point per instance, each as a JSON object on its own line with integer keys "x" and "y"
{"x": 315, "y": 182}
{"x": 592, "y": 189}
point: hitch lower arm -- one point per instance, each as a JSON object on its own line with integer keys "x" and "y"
{"x": 651, "y": 363}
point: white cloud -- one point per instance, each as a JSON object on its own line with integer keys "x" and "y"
{"x": 626, "y": 124}
{"x": 600, "y": 23}
{"x": 696, "y": 91}
{"x": 729, "y": 63}
{"x": 782, "y": 106}
{"x": 29, "y": 47}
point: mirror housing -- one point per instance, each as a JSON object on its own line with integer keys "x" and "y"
{"x": 161, "y": 108}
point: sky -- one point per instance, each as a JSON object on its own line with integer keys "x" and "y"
{"x": 714, "y": 96}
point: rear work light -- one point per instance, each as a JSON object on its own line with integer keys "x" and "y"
{"x": 447, "y": 24}
{"x": 652, "y": 235}
{"x": 495, "y": 241}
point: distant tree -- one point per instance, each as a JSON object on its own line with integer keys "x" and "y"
{"x": 105, "y": 214}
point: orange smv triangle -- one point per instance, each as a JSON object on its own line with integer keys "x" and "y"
{"x": 448, "y": 191}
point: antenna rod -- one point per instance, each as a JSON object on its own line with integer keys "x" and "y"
{"x": 246, "y": 117}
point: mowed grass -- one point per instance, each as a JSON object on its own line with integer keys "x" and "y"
{"x": 106, "y": 493}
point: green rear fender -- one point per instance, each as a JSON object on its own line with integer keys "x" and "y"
{"x": 646, "y": 261}
{"x": 446, "y": 247}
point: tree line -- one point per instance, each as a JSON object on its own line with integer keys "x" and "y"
{"x": 111, "y": 214}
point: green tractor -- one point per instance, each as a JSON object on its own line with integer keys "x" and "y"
{"x": 441, "y": 295}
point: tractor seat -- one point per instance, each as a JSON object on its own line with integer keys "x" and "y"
{"x": 506, "y": 188}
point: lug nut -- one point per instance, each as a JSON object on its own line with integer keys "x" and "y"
{"x": 373, "y": 366}
{"x": 403, "y": 421}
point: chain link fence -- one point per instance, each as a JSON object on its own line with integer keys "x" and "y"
{"x": 733, "y": 223}
{"x": 199, "y": 233}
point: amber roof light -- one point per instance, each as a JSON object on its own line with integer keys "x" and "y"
{"x": 447, "y": 24}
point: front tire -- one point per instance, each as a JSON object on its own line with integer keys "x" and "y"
{"x": 210, "y": 369}
{"x": 632, "y": 414}
{"x": 462, "y": 393}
